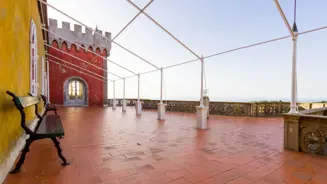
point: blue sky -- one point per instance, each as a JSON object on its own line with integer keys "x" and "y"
{"x": 208, "y": 27}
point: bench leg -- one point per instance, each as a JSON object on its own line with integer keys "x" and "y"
{"x": 57, "y": 144}
{"x": 22, "y": 157}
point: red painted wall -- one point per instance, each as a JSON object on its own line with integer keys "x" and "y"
{"x": 59, "y": 74}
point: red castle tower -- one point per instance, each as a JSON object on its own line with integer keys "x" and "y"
{"x": 77, "y": 79}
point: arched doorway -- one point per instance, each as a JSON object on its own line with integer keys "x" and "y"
{"x": 75, "y": 92}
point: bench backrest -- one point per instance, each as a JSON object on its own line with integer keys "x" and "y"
{"x": 23, "y": 102}
{"x": 28, "y": 101}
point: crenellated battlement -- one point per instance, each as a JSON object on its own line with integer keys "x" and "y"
{"x": 86, "y": 39}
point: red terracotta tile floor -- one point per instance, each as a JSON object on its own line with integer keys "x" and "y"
{"x": 111, "y": 147}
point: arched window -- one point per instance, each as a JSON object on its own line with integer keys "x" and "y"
{"x": 33, "y": 59}
{"x": 44, "y": 78}
{"x": 75, "y": 89}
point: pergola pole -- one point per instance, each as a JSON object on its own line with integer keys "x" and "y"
{"x": 124, "y": 100}
{"x": 293, "y": 107}
{"x": 202, "y": 68}
{"x": 161, "y": 84}
{"x": 114, "y": 98}
{"x": 201, "y": 110}
{"x": 161, "y": 105}
{"x": 138, "y": 105}
{"x": 294, "y": 33}
{"x": 138, "y": 87}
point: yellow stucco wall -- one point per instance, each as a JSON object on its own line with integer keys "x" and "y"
{"x": 15, "y": 18}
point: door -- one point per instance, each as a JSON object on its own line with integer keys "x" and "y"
{"x": 75, "y": 93}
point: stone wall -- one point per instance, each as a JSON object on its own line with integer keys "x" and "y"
{"x": 225, "y": 108}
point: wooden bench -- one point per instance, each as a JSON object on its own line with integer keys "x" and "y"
{"x": 48, "y": 106}
{"x": 48, "y": 126}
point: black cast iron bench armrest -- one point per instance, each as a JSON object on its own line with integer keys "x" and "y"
{"x": 48, "y": 106}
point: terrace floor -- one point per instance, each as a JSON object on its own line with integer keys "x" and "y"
{"x": 110, "y": 147}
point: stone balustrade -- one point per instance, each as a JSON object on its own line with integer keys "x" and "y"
{"x": 251, "y": 109}
{"x": 306, "y": 131}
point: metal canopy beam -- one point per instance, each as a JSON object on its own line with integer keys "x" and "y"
{"x": 69, "y": 63}
{"x": 81, "y": 60}
{"x": 198, "y": 58}
{"x": 233, "y": 50}
{"x": 79, "y": 45}
{"x": 42, "y": 1}
{"x": 164, "y": 29}
{"x": 135, "y": 54}
{"x": 284, "y": 18}
{"x": 77, "y": 70}
{"x": 131, "y": 20}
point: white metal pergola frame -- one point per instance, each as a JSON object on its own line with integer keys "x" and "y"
{"x": 293, "y": 35}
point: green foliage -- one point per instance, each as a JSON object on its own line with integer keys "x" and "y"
{"x": 266, "y": 101}
{"x": 321, "y": 102}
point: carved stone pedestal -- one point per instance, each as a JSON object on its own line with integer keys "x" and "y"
{"x": 291, "y": 132}
{"x": 201, "y": 117}
{"x": 124, "y": 105}
{"x": 161, "y": 111}
{"x": 138, "y": 107}
{"x": 114, "y": 104}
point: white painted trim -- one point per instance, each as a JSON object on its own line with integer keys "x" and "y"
{"x": 33, "y": 59}
{"x": 6, "y": 166}
{"x": 48, "y": 84}
{"x": 44, "y": 77}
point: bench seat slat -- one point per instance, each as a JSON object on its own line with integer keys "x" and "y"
{"x": 28, "y": 101}
{"x": 51, "y": 126}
